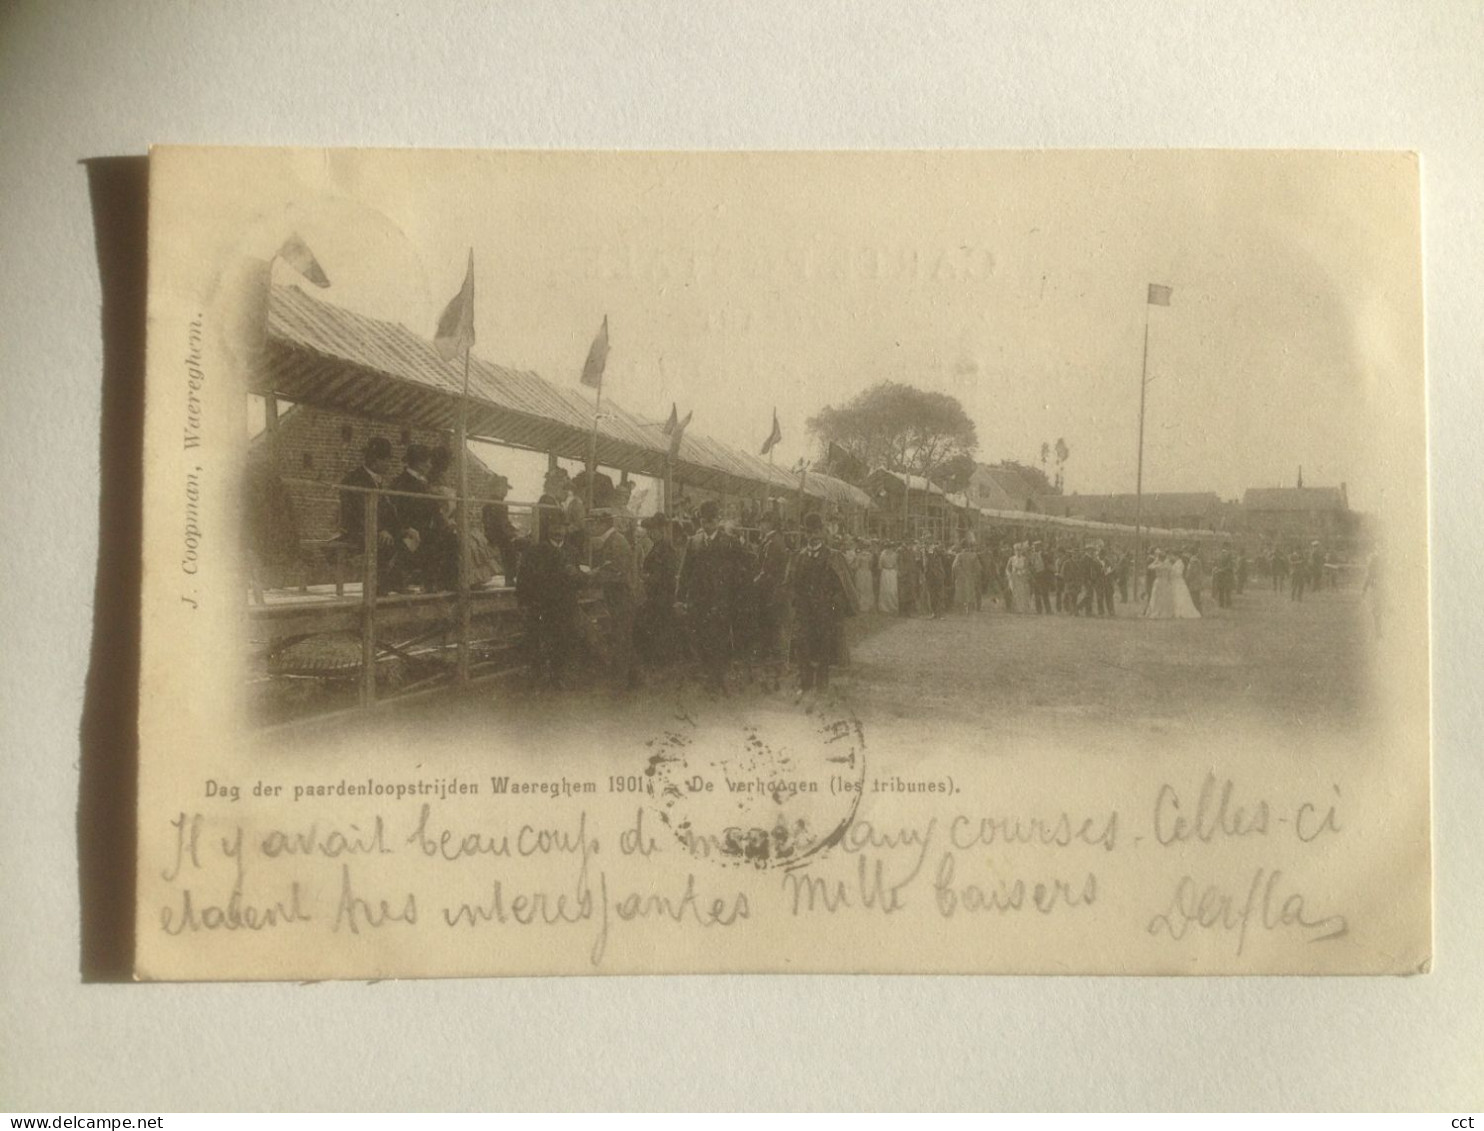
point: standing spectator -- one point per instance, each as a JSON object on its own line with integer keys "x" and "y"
{"x": 499, "y": 531}
{"x": 966, "y": 579}
{"x": 823, "y": 595}
{"x": 770, "y": 600}
{"x": 907, "y": 579}
{"x": 655, "y": 632}
{"x": 1223, "y": 578}
{"x": 1105, "y": 572}
{"x": 1298, "y": 576}
{"x": 375, "y": 464}
{"x": 710, "y": 581}
{"x": 547, "y": 590}
{"x": 1195, "y": 577}
{"x": 417, "y": 516}
{"x": 618, "y": 578}
{"x": 1042, "y": 577}
{"x": 936, "y": 578}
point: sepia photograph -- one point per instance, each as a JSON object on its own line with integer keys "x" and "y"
{"x": 578, "y": 562}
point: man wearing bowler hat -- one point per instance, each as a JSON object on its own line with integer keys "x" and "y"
{"x": 770, "y": 598}
{"x": 547, "y": 588}
{"x": 617, "y": 577}
{"x": 655, "y": 630}
{"x": 824, "y": 595}
{"x": 710, "y": 584}
{"x": 375, "y": 464}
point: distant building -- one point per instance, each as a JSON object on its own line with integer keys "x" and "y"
{"x": 1004, "y": 488}
{"x": 1185, "y": 510}
{"x": 925, "y": 513}
{"x": 1291, "y": 514}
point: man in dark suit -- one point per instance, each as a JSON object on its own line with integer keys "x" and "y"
{"x": 770, "y": 600}
{"x": 375, "y": 464}
{"x": 499, "y": 531}
{"x": 417, "y": 518}
{"x": 710, "y": 582}
{"x": 823, "y": 595}
{"x": 1043, "y": 577}
{"x": 617, "y": 576}
{"x": 547, "y": 589}
{"x": 909, "y": 571}
{"x": 1224, "y": 577}
{"x": 655, "y": 631}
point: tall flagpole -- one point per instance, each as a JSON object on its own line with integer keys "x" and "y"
{"x": 463, "y": 523}
{"x": 768, "y": 499}
{"x": 1138, "y": 562}
{"x": 592, "y": 448}
{"x": 592, "y": 464}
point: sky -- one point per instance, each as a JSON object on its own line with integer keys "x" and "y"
{"x": 1017, "y": 282}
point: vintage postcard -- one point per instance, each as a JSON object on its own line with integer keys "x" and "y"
{"x": 921, "y": 562}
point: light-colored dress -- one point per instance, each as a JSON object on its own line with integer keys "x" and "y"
{"x": 1020, "y": 583}
{"x": 1184, "y": 607}
{"x": 886, "y": 600}
{"x": 1161, "y": 596}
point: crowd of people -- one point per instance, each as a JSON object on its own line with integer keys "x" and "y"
{"x": 691, "y": 592}
{"x": 1299, "y": 570}
{"x": 707, "y": 600}
{"x": 416, "y": 520}
{"x": 716, "y": 596}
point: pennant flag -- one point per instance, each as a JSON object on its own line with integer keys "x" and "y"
{"x": 678, "y": 433}
{"x": 842, "y": 465}
{"x": 1158, "y": 295}
{"x": 597, "y": 358}
{"x": 773, "y": 436}
{"x": 455, "y": 332}
{"x": 295, "y": 252}
{"x": 673, "y": 422}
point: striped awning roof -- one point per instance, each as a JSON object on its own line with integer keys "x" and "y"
{"x": 836, "y": 491}
{"x": 322, "y": 354}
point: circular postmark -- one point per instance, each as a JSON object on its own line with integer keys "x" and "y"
{"x": 761, "y": 787}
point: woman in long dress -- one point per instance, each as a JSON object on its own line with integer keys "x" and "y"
{"x": 1184, "y": 607}
{"x": 1161, "y": 604}
{"x": 865, "y": 578}
{"x": 886, "y": 599}
{"x": 1020, "y": 580}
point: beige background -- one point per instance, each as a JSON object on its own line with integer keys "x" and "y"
{"x": 79, "y": 81}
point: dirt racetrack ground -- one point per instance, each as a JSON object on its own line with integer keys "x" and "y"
{"x": 1292, "y": 663}
{"x": 1292, "y": 672}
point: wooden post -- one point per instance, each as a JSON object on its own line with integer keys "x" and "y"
{"x": 1139, "y": 483}
{"x": 370, "y": 546}
{"x": 462, "y": 516}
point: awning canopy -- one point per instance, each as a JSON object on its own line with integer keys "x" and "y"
{"x": 1061, "y": 522}
{"x": 325, "y": 355}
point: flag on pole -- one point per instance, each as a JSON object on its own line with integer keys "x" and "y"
{"x": 673, "y": 422}
{"x": 597, "y": 358}
{"x": 678, "y": 432}
{"x": 455, "y": 332}
{"x": 295, "y": 252}
{"x": 1159, "y": 295}
{"x": 773, "y": 436}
